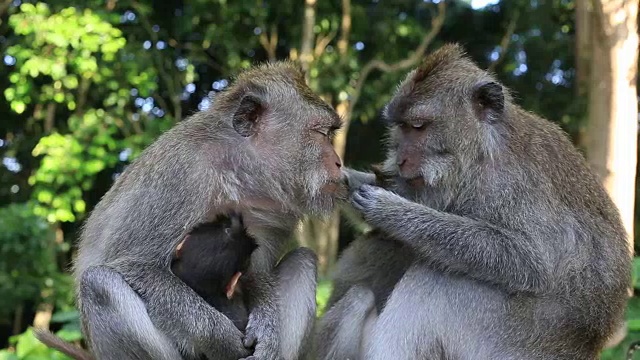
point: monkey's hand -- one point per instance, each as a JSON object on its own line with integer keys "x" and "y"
{"x": 373, "y": 202}
{"x": 262, "y": 328}
{"x": 262, "y": 334}
{"x": 353, "y": 179}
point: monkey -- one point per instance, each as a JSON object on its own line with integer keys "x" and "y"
{"x": 517, "y": 250}
{"x": 211, "y": 261}
{"x": 263, "y": 149}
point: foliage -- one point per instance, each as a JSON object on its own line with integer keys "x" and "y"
{"x": 28, "y": 268}
{"x": 78, "y": 60}
{"x": 322, "y": 296}
{"x": 25, "y": 346}
{"x": 632, "y": 318}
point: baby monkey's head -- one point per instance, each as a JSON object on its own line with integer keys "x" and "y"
{"x": 214, "y": 255}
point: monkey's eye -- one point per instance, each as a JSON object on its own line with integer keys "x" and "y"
{"x": 418, "y": 126}
{"x": 324, "y": 131}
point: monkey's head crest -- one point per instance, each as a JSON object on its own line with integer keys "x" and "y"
{"x": 447, "y": 54}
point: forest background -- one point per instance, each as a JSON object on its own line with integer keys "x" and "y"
{"x": 87, "y": 85}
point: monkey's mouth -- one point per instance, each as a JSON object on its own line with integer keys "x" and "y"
{"x": 415, "y": 182}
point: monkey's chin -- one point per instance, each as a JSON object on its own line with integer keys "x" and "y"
{"x": 415, "y": 183}
{"x": 321, "y": 205}
{"x": 335, "y": 189}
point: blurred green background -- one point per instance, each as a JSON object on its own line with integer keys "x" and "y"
{"x": 86, "y": 85}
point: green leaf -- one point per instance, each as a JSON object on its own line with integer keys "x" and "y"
{"x": 633, "y": 324}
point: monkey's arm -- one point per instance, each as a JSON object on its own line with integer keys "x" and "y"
{"x": 264, "y": 322}
{"x": 282, "y": 307}
{"x": 180, "y": 314}
{"x": 458, "y": 244}
{"x": 297, "y": 280}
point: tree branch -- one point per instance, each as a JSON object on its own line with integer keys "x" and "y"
{"x": 270, "y": 42}
{"x": 506, "y": 41}
{"x": 345, "y": 31}
{"x": 412, "y": 60}
{"x": 50, "y": 119}
{"x": 306, "y": 47}
{"x": 323, "y": 41}
{"x": 111, "y": 4}
{"x": 4, "y": 6}
{"x": 83, "y": 91}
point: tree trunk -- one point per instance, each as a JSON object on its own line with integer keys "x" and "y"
{"x": 583, "y": 46}
{"x": 612, "y": 129}
{"x": 17, "y": 320}
{"x": 43, "y": 316}
{"x": 306, "y": 48}
{"x": 607, "y": 60}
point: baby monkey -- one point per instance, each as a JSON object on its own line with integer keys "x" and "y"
{"x": 211, "y": 260}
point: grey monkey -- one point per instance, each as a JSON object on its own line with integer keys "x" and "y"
{"x": 210, "y": 260}
{"x": 518, "y": 252}
{"x": 262, "y": 150}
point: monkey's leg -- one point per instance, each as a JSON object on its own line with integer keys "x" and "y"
{"x": 371, "y": 261}
{"x": 297, "y": 281}
{"x": 344, "y": 329}
{"x": 177, "y": 312}
{"x": 433, "y": 315}
{"x": 116, "y": 321}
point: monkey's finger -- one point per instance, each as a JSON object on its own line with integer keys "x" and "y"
{"x": 358, "y": 202}
{"x": 250, "y": 339}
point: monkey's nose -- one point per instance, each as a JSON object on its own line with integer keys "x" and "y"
{"x": 401, "y": 162}
{"x": 338, "y": 164}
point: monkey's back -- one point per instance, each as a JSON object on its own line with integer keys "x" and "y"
{"x": 147, "y": 210}
{"x": 561, "y": 204}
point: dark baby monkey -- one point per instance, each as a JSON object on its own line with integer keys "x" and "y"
{"x": 211, "y": 261}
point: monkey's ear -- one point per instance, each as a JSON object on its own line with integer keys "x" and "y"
{"x": 488, "y": 101}
{"x": 246, "y": 116}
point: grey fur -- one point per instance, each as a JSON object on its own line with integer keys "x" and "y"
{"x": 272, "y": 172}
{"x": 520, "y": 252}
{"x": 346, "y": 337}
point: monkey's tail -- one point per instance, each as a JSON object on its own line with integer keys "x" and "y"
{"x": 54, "y": 342}
{"x": 632, "y": 349}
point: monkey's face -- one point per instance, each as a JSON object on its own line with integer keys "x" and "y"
{"x": 289, "y": 130}
{"x": 419, "y": 154}
{"x": 320, "y": 165}
{"x": 440, "y": 123}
